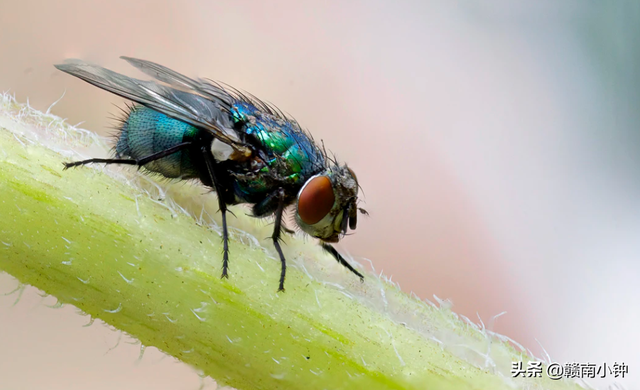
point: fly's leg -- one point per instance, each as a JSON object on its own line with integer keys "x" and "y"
{"x": 340, "y": 259}
{"x": 275, "y": 201}
{"x": 276, "y": 238}
{"x": 223, "y": 210}
{"x": 128, "y": 161}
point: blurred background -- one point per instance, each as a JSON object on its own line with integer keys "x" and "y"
{"x": 497, "y": 144}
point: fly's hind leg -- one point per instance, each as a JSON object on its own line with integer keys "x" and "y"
{"x": 274, "y": 203}
{"x": 223, "y": 210}
{"x": 333, "y": 252}
{"x": 130, "y": 161}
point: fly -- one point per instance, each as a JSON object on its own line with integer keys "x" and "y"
{"x": 244, "y": 149}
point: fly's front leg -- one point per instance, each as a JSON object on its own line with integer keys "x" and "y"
{"x": 275, "y": 201}
{"x": 340, "y": 259}
{"x": 223, "y": 210}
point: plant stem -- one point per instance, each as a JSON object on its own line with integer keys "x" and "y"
{"x": 103, "y": 242}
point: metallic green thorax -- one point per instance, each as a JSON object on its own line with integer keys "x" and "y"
{"x": 291, "y": 156}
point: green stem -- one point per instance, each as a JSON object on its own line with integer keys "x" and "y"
{"x": 95, "y": 238}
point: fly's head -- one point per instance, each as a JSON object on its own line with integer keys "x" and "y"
{"x": 327, "y": 204}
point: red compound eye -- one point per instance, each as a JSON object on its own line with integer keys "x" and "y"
{"x": 315, "y": 200}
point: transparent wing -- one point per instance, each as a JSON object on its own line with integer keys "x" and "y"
{"x": 173, "y": 78}
{"x": 208, "y": 113}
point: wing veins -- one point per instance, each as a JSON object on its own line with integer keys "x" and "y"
{"x": 161, "y": 98}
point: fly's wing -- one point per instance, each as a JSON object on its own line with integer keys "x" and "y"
{"x": 178, "y": 80}
{"x": 202, "y": 112}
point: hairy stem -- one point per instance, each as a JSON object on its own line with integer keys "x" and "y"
{"x": 145, "y": 257}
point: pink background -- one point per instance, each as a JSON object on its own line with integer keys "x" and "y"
{"x": 497, "y": 145}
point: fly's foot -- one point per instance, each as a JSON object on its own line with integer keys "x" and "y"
{"x": 68, "y": 165}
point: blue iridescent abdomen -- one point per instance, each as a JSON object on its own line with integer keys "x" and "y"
{"x": 146, "y": 131}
